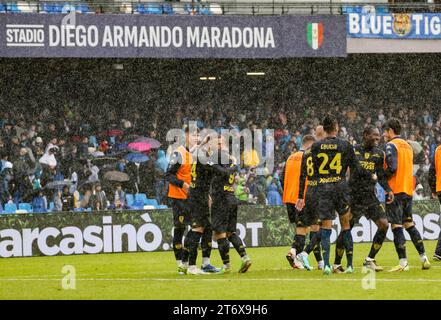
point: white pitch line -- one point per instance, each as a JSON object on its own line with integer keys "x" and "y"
{"x": 199, "y": 279}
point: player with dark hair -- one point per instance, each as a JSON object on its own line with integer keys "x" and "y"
{"x": 224, "y": 208}
{"x": 399, "y": 172}
{"x": 364, "y": 201}
{"x": 435, "y": 185}
{"x": 178, "y": 176}
{"x": 330, "y": 160}
{"x": 290, "y": 180}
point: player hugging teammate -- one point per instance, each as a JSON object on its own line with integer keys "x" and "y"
{"x": 326, "y": 164}
{"x": 212, "y": 180}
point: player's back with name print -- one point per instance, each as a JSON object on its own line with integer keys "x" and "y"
{"x": 330, "y": 160}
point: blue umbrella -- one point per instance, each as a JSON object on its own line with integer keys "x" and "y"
{"x": 136, "y": 157}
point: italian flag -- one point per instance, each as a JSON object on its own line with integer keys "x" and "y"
{"x": 315, "y": 35}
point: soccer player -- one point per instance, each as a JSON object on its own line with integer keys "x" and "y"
{"x": 435, "y": 185}
{"x": 330, "y": 159}
{"x": 178, "y": 176}
{"x": 399, "y": 172}
{"x": 364, "y": 202}
{"x": 290, "y": 179}
{"x": 224, "y": 208}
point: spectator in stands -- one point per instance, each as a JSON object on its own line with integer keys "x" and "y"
{"x": 98, "y": 199}
{"x": 274, "y": 192}
{"x": 39, "y": 202}
{"x": 64, "y": 200}
{"x": 119, "y": 199}
{"x": 242, "y": 191}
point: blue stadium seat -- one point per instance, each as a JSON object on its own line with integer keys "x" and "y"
{"x": 162, "y": 206}
{"x": 167, "y": 8}
{"x": 51, "y": 207}
{"x": 141, "y": 197}
{"x": 137, "y": 205}
{"x": 130, "y": 199}
{"x": 151, "y": 202}
{"x": 10, "y": 208}
{"x": 154, "y": 8}
{"x": 25, "y": 206}
{"x": 68, "y": 8}
{"x": 12, "y": 7}
{"x": 83, "y": 8}
{"x": 204, "y": 10}
{"x": 2, "y": 8}
{"x": 78, "y": 209}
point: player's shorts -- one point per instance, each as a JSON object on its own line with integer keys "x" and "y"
{"x": 306, "y": 217}
{"x": 181, "y": 213}
{"x": 224, "y": 214}
{"x": 332, "y": 198}
{"x": 400, "y": 210}
{"x": 366, "y": 205}
{"x": 199, "y": 213}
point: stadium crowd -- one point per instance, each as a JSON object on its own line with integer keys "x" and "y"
{"x": 39, "y": 150}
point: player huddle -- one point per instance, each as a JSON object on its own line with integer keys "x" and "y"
{"x": 327, "y": 176}
{"x": 316, "y": 187}
{"x": 194, "y": 187}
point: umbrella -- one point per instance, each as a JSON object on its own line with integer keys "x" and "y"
{"x": 154, "y": 144}
{"x": 97, "y": 154}
{"x": 416, "y": 147}
{"x": 117, "y": 176}
{"x": 115, "y": 133}
{"x": 58, "y": 184}
{"x": 136, "y": 157}
{"x": 139, "y": 146}
{"x": 121, "y": 146}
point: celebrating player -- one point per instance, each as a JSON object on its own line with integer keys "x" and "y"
{"x": 179, "y": 177}
{"x": 435, "y": 185}
{"x": 224, "y": 208}
{"x": 364, "y": 201}
{"x": 399, "y": 171}
{"x": 290, "y": 179}
{"x": 330, "y": 159}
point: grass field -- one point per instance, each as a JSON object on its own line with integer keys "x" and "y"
{"x": 153, "y": 276}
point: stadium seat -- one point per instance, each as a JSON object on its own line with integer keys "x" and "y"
{"x": 137, "y": 205}
{"x": 167, "y": 8}
{"x": 2, "y": 8}
{"x": 25, "y": 206}
{"x": 151, "y": 202}
{"x": 162, "y": 206}
{"x": 141, "y": 197}
{"x": 51, "y": 207}
{"x": 130, "y": 199}
{"x": 78, "y": 209}
{"x": 83, "y": 8}
{"x": 215, "y": 8}
{"x": 68, "y": 8}
{"x": 10, "y": 208}
{"x": 154, "y": 8}
{"x": 12, "y": 7}
{"x": 26, "y": 7}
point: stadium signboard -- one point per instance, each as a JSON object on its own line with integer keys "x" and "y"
{"x": 150, "y": 36}
{"x": 394, "y": 26}
{"x": 143, "y": 231}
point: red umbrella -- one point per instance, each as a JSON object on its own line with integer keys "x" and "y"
{"x": 115, "y": 133}
{"x": 139, "y": 146}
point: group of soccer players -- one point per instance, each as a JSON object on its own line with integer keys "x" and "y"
{"x": 328, "y": 176}
{"x": 201, "y": 178}
{"x": 316, "y": 188}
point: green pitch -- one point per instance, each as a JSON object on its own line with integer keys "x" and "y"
{"x": 153, "y": 276}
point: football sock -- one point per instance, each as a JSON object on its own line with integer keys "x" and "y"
{"x": 416, "y": 239}
{"x": 313, "y": 236}
{"x": 349, "y": 246}
{"x": 400, "y": 242}
{"x": 191, "y": 244}
{"x": 318, "y": 248}
{"x": 237, "y": 244}
{"x": 224, "y": 248}
{"x": 339, "y": 249}
{"x": 299, "y": 242}
{"x": 377, "y": 242}
{"x": 178, "y": 234}
{"x": 326, "y": 245}
{"x": 206, "y": 244}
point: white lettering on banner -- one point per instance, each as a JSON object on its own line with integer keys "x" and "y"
{"x": 417, "y": 18}
{"x": 254, "y": 226}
